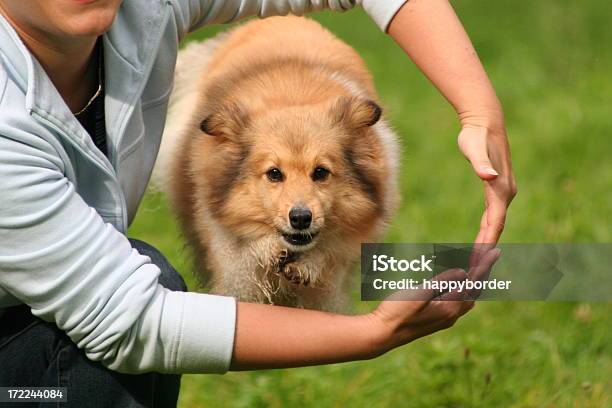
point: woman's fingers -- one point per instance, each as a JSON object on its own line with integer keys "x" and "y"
{"x": 499, "y": 194}
{"x": 408, "y": 307}
{"x": 483, "y": 228}
{"x": 452, "y": 305}
{"x": 479, "y": 246}
{"x": 495, "y": 218}
{"x": 481, "y": 270}
{"x": 446, "y": 305}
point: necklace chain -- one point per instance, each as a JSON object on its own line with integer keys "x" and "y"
{"x": 98, "y": 91}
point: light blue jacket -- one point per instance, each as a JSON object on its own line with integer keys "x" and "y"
{"x": 65, "y": 208}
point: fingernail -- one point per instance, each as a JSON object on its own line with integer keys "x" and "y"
{"x": 491, "y": 171}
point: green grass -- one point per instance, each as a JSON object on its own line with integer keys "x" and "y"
{"x": 550, "y": 62}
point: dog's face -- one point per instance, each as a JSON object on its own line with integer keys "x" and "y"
{"x": 301, "y": 174}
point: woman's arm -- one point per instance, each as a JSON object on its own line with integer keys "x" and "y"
{"x": 193, "y": 14}
{"x": 278, "y": 337}
{"x": 433, "y": 37}
{"x": 73, "y": 268}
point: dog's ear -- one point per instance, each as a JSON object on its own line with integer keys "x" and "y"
{"x": 227, "y": 121}
{"x": 356, "y": 113}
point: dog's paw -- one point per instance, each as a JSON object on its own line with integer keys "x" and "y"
{"x": 288, "y": 267}
{"x": 293, "y": 275}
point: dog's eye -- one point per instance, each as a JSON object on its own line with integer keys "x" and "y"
{"x": 274, "y": 175}
{"x": 320, "y": 174}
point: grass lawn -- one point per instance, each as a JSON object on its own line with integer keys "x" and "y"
{"x": 551, "y": 62}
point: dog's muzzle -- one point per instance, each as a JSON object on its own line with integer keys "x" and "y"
{"x": 299, "y": 238}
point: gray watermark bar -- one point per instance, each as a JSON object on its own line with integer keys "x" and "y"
{"x": 551, "y": 272}
{"x": 33, "y": 394}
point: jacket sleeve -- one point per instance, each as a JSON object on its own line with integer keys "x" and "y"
{"x": 192, "y": 14}
{"x": 60, "y": 258}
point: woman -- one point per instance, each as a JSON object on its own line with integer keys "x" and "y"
{"x": 84, "y": 86}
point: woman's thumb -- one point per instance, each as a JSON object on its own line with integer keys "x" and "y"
{"x": 483, "y": 168}
{"x": 474, "y": 147}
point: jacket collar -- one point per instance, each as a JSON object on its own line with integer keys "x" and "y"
{"x": 129, "y": 52}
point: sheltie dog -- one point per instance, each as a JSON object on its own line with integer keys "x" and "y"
{"x": 278, "y": 162}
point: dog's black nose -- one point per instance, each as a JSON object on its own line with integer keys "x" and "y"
{"x": 300, "y": 218}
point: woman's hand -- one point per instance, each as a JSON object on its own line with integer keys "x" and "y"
{"x": 400, "y": 320}
{"x": 485, "y": 145}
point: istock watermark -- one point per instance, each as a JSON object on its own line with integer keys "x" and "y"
{"x": 383, "y": 263}
{"x": 556, "y": 272}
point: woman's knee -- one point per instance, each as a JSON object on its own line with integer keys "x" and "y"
{"x": 169, "y": 277}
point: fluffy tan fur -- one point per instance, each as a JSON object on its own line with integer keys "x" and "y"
{"x": 281, "y": 93}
